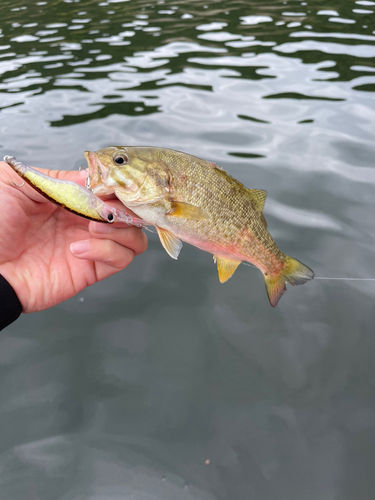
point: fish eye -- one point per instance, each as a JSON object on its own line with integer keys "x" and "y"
{"x": 110, "y": 217}
{"x": 120, "y": 159}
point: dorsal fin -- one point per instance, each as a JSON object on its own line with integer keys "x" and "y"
{"x": 263, "y": 219}
{"x": 259, "y": 197}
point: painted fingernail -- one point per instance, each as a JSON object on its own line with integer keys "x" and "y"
{"x": 80, "y": 247}
{"x": 102, "y": 228}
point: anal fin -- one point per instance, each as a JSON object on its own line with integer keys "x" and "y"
{"x": 170, "y": 242}
{"x": 225, "y": 267}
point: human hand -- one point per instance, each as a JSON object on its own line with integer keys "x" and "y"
{"x": 48, "y": 254}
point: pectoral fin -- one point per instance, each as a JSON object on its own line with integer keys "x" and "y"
{"x": 170, "y": 242}
{"x": 225, "y": 268}
{"x": 186, "y": 211}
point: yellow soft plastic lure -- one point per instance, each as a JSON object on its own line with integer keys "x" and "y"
{"x": 71, "y": 196}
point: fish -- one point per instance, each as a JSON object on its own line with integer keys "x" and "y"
{"x": 193, "y": 200}
{"x": 72, "y": 196}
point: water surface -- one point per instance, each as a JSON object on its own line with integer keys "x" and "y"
{"x": 160, "y": 383}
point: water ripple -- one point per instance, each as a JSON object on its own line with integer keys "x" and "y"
{"x": 203, "y": 388}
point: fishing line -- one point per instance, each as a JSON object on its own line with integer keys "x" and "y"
{"x": 344, "y": 279}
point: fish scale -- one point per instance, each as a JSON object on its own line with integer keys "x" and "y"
{"x": 230, "y": 209}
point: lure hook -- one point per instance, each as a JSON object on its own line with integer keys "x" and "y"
{"x": 18, "y": 185}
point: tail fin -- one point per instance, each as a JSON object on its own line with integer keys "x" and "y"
{"x": 293, "y": 272}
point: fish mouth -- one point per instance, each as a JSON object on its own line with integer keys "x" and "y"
{"x": 97, "y": 175}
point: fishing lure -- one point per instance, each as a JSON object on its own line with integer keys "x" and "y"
{"x": 72, "y": 196}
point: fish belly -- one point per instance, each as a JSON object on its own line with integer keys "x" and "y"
{"x": 207, "y": 237}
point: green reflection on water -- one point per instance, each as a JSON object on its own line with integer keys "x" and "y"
{"x": 160, "y": 369}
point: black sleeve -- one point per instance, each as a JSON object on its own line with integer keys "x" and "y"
{"x": 10, "y": 306}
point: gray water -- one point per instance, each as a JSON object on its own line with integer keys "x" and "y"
{"x": 161, "y": 383}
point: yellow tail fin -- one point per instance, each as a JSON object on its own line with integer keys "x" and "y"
{"x": 293, "y": 272}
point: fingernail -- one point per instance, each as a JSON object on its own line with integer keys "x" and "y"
{"x": 80, "y": 247}
{"x": 102, "y": 228}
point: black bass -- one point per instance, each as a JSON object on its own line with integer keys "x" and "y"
{"x": 193, "y": 200}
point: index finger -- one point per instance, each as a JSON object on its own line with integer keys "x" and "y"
{"x": 14, "y": 178}
{"x": 78, "y": 176}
